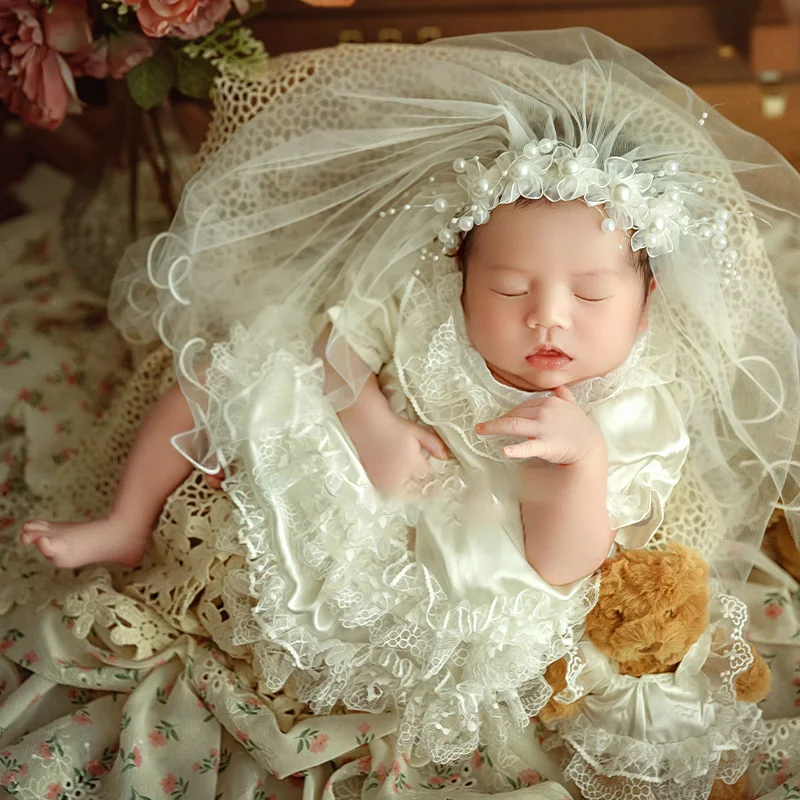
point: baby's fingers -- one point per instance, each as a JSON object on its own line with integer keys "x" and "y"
{"x": 510, "y": 426}
{"x": 533, "y": 448}
{"x": 432, "y": 442}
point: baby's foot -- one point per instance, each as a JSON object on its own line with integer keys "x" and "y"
{"x": 75, "y": 544}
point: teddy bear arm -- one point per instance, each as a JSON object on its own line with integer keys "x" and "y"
{"x": 752, "y": 686}
{"x": 556, "y": 676}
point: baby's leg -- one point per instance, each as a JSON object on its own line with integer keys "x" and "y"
{"x": 153, "y": 470}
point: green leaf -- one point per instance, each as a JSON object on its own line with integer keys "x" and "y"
{"x": 195, "y": 76}
{"x": 150, "y": 82}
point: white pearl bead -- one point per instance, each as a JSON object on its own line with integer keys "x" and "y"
{"x": 720, "y": 226}
{"x": 731, "y": 255}
{"x": 651, "y": 240}
{"x": 704, "y": 115}
{"x": 391, "y": 212}
{"x": 674, "y": 195}
{"x": 701, "y": 122}
{"x": 519, "y": 171}
{"x": 671, "y": 167}
{"x": 464, "y": 383}
{"x": 530, "y": 149}
{"x": 719, "y": 242}
{"x": 480, "y": 188}
{"x": 440, "y": 205}
{"x": 570, "y": 167}
{"x": 382, "y": 214}
{"x": 722, "y": 215}
{"x": 417, "y": 273}
{"x": 481, "y": 216}
{"x": 435, "y": 258}
{"x": 407, "y": 207}
{"x": 459, "y": 165}
{"x": 706, "y": 231}
{"x": 659, "y": 223}
{"x": 608, "y": 225}
{"x": 546, "y": 146}
{"x": 622, "y": 193}
{"x": 466, "y": 224}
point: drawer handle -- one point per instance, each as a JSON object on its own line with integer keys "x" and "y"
{"x": 428, "y": 33}
{"x": 351, "y": 35}
{"x": 390, "y": 35}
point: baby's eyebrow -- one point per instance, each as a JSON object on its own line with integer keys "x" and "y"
{"x": 600, "y": 272}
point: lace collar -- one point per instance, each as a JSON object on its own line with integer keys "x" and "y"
{"x": 448, "y": 381}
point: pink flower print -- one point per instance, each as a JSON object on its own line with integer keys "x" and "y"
{"x": 381, "y": 772}
{"x": 318, "y": 743}
{"x": 213, "y": 752}
{"x": 773, "y": 610}
{"x": 30, "y": 657}
{"x": 54, "y": 791}
{"x": 45, "y": 751}
{"x": 781, "y": 777}
{"x": 253, "y": 701}
{"x": 157, "y": 738}
{"x": 169, "y": 783}
{"x": 137, "y": 757}
{"x": 6, "y": 644}
{"x": 364, "y": 764}
{"x": 81, "y": 719}
{"x": 363, "y": 728}
{"x": 477, "y": 760}
{"x": 95, "y": 768}
{"x": 242, "y": 736}
{"x": 22, "y": 771}
{"x": 436, "y": 780}
{"x": 530, "y": 777}
{"x": 196, "y": 766}
{"x": 395, "y": 770}
{"x": 7, "y": 778}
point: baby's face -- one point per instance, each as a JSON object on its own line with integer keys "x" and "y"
{"x": 549, "y": 298}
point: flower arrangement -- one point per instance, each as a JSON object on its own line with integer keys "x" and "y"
{"x": 155, "y": 45}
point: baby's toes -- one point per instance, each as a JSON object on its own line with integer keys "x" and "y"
{"x": 33, "y": 530}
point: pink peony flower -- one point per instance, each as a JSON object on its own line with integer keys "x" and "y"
{"x": 363, "y": 728}
{"x": 35, "y": 79}
{"x": 209, "y": 13}
{"x": 45, "y": 751}
{"x": 184, "y": 19}
{"x": 318, "y": 743}
{"x": 95, "y": 768}
{"x": 436, "y": 780}
{"x": 54, "y": 791}
{"x": 137, "y": 757}
{"x": 111, "y": 56}
{"x": 169, "y": 783}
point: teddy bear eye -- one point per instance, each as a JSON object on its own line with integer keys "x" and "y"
{"x": 619, "y": 616}
{"x": 671, "y": 613}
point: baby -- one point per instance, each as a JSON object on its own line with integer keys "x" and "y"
{"x": 549, "y": 300}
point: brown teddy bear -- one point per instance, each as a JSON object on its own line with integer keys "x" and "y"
{"x": 668, "y": 686}
{"x": 787, "y": 553}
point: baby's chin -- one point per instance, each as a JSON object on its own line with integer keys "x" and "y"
{"x": 536, "y": 380}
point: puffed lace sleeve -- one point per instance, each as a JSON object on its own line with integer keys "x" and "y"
{"x": 369, "y": 329}
{"x": 647, "y": 446}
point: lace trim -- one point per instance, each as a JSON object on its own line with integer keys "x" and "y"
{"x": 449, "y": 383}
{"x": 461, "y": 675}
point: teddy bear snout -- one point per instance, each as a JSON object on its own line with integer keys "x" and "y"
{"x": 652, "y": 649}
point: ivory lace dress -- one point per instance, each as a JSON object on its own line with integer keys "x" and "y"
{"x": 431, "y": 607}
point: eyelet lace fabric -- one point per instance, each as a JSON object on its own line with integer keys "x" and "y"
{"x": 713, "y": 736}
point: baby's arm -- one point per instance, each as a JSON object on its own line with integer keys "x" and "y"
{"x": 389, "y": 447}
{"x": 563, "y": 497}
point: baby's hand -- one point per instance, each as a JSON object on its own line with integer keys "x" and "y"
{"x": 556, "y": 428}
{"x": 392, "y": 454}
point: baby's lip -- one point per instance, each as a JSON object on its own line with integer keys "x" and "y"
{"x": 549, "y": 350}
